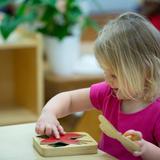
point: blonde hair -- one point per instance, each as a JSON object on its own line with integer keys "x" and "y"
{"x": 130, "y": 46}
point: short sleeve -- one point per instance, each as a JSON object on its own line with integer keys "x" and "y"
{"x": 98, "y": 94}
{"x": 157, "y": 130}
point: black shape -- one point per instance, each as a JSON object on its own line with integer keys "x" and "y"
{"x": 43, "y": 136}
{"x": 58, "y": 144}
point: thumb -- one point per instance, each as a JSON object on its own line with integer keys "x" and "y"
{"x": 137, "y": 153}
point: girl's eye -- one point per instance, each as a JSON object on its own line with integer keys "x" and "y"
{"x": 113, "y": 76}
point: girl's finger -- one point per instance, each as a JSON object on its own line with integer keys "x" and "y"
{"x": 129, "y": 132}
{"x": 37, "y": 128}
{"x": 48, "y": 130}
{"x": 136, "y": 153}
{"x": 55, "y": 132}
{"x": 41, "y": 129}
{"x": 140, "y": 143}
{"x": 128, "y": 136}
{"x": 61, "y": 130}
{"x": 133, "y": 135}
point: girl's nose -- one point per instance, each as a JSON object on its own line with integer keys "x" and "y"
{"x": 110, "y": 82}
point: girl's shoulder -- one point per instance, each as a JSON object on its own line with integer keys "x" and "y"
{"x": 154, "y": 108}
{"x": 100, "y": 93}
{"x": 101, "y": 88}
{"x": 102, "y": 84}
{"x": 156, "y": 104}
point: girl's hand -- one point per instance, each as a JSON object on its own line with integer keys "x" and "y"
{"x": 136, "y": 136}
{"x": 49, "y": 125}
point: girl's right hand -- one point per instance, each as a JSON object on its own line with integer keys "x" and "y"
{"x": 136, "y": 136}
{"x": 48, "y": 124}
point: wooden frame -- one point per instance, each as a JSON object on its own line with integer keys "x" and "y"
{"x": 88, "y": 146}
{"x": 21, "y": 80}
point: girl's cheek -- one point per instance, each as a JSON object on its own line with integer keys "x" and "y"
{"x": 119, "y": 95}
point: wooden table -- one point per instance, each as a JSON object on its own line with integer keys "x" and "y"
{"x": 16, "y": 144}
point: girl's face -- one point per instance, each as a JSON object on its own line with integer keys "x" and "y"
{"x": 111, "y": 79}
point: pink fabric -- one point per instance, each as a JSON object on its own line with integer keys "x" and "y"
{"x": 155, "y": 20}
{"x": 147, "y": 120}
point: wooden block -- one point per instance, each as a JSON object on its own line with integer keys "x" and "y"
{"x": 112, "y": 132}
{"x": 72, "y": 143}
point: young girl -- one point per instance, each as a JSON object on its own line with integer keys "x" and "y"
{"x": 128, "y": 50}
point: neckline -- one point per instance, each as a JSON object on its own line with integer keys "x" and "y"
{"x": 138, "y": 112}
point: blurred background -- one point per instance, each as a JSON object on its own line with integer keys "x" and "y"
{"x": 47, "y": 47}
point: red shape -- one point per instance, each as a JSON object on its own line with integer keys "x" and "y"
{"x": 155, "y": 20}
{"x": 68, "y": 138}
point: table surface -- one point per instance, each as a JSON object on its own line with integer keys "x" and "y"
{"x": 16, "y": 144}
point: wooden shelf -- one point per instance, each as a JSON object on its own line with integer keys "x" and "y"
{"x": 72, "y": 78}
{"x": 16, "y": 114}
{"x": 24, "y": 44}
{"x": 55, "y": 83}
{"x": 24, "y": 40}
{"x": 21, "y": 80}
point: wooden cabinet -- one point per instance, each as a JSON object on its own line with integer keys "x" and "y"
{"x": 56, "y": 83}
{"x": 89, "y": 123}
{"x": 21, "y": 80}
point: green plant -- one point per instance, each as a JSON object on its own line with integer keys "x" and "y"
{"x": 56, "y": 17}
{"x": 10, "y": 22}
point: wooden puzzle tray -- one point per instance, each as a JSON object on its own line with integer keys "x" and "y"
{"x": 72, "y": 143}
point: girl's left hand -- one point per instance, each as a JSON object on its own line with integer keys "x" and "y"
{"x": 136, "y": 136}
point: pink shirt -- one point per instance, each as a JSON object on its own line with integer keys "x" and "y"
{"x": 146, "y": 121}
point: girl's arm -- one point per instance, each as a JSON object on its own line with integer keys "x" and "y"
{"x": 59, "y": 106}
{"x": 148, "y": 150}
{"x": 69, "y": 102}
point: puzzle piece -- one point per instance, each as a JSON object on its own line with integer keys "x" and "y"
{"x": 72, "y": 143}
{"x": 68, "y": 138}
